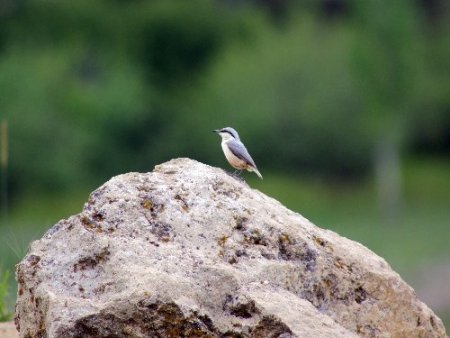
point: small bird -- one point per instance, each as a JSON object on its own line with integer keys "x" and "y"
{"x": 235, "y": 151}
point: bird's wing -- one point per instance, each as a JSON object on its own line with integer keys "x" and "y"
{"x": 239, "y": 150}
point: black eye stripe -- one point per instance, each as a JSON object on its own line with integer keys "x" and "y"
{"x": 227, "y": 131}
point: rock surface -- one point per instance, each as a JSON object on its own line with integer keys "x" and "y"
{"x": 189, "y": 251}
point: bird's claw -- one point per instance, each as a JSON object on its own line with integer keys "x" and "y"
{"x": 237, "y": 175}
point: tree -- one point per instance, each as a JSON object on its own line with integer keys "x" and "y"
{"x": 385, "y": 53}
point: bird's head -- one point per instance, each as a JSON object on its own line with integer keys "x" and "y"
{"x": 227, "y": 133}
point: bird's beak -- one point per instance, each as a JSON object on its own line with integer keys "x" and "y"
{"x": 215, "y": 131}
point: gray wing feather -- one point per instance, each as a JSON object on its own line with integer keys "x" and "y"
{"x": 239, "y": 150}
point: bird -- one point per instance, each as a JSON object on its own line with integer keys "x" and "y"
{"x": 235, "y": 151}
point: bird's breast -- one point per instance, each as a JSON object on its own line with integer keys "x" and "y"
{"x": 235, "y": 161}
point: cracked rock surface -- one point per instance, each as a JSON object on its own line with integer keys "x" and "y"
{"x": 189, "y": 251}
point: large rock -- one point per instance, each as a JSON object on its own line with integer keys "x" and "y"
{"x": 189, "y": 251}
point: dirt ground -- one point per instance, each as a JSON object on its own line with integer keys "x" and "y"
{"x": 8, "y": 330}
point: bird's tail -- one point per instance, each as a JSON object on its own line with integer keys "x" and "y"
{"x": 256, "y": 171}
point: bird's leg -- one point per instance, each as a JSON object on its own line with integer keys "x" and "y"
{"x": 237, "y": 173}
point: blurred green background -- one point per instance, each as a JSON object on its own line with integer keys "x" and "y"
{"x": 343, "y": 104}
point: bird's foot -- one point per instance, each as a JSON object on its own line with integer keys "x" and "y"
{"x": 237, "y": 175}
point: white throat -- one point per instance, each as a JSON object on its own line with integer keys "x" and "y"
{"x": 226, "y": 137}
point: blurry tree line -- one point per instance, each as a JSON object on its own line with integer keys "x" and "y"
{"x": 96, "y": 88}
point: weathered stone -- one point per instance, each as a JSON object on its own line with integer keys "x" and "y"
{"x": 189, "y": 251}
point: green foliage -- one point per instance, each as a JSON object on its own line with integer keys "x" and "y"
{"x": 92, "y": 89}
{"x": 177, "y": 43}
{"x": 5, "y": 315}
{"x": 62, "y": 106}
{"x": 387, "y": 57}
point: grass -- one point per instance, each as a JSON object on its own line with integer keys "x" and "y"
{"x": 5, "y": 313}
{"x": 419, "y": 234}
